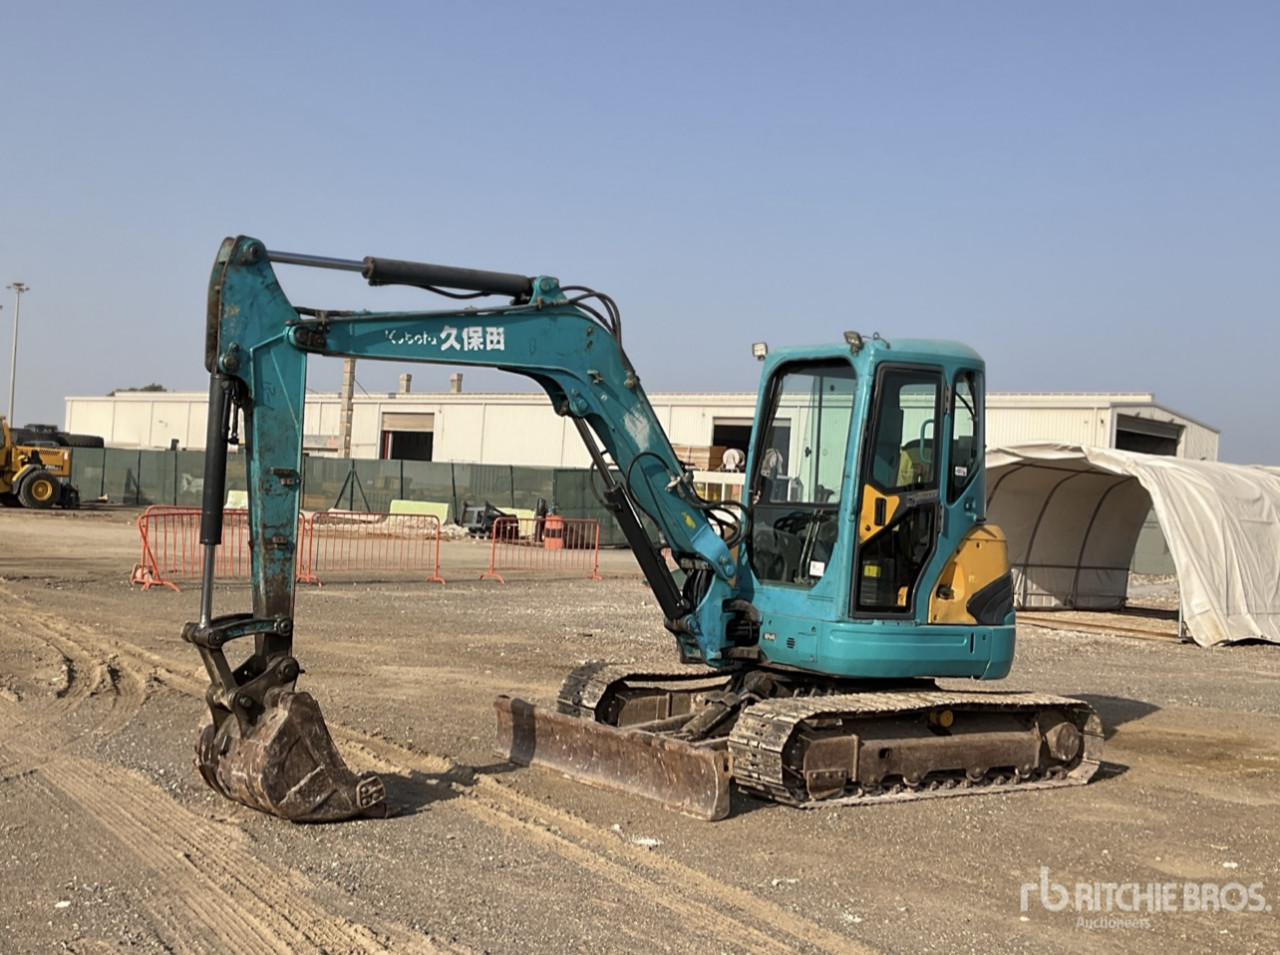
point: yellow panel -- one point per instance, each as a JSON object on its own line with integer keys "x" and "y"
{"x": 982, "y": 557}
{"x": 867, "y": 526}
{"x": 437, "y": 509}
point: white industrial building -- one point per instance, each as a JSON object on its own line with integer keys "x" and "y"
{"x": 522, "y": 429}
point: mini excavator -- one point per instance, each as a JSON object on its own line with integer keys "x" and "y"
{"x": 812, "y": 619}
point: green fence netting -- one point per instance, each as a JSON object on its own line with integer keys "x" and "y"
{"x": 177, "y": 477}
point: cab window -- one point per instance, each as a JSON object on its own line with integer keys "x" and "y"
{"x": 904, "y": 433}
{"x": 799, "y": 471}
{"x": 966, "y": 440}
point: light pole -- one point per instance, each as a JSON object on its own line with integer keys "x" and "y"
{"x": 18, "y": 289}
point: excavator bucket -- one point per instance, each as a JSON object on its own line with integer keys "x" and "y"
{"x": 691, "y": 779}
{"x": 287, "y": 765}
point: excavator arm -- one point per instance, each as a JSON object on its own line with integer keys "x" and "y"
{"x": 266, "y": 744}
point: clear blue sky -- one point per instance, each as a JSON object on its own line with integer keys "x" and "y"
{"x": 1088, "y": 193}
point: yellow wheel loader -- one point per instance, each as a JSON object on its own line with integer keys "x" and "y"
{"x": 34, "y": 475}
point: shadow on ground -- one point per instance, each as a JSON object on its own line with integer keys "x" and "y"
{"x": 1115, "y": 711}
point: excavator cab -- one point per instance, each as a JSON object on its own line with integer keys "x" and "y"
{"x": 864, "y": 482}
{"x": 825, "y": 451}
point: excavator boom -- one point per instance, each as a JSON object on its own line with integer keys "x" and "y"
{"x": 266, "y": 744}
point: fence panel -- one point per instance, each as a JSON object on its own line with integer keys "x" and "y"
{"x": 326, "y": 482}
{"x": 128, "y": 476}
{"x": 188, "y": 478}
{"x": 573, "y": 497}
{"x": 171, "y": 548}
{"x": 380, "y": 482}
{"x": 131, "y": 476}
{"x": 477, "y": 483}
{"x": 361, "y": 542}
{"x": 531, "y": 485}
{"x": 88, "y": 472}
{"x": 328, "y": 542}
{"x": 120, "y": 480}
{"x": 544, "y": 546}
{"x": 429, "y": 481}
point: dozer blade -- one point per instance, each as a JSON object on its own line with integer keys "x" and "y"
{"x": 287, "y": 765}
{"x": 691, "y": 779}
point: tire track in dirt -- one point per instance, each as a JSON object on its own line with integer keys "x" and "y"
{"x": 52, "y": 725}
{"x": 110, "y": 677}
{"x": 657, "y": 878}
{"x": 691, "y": 894}
{"x": 673, "y": 876}
{"x": 217, "y": 896}
{"x": 87, "y": 670}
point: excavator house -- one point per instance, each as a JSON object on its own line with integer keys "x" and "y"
{"x": 811, "y": 621}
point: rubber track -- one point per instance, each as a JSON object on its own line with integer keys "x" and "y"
{"x": 760, "y": 737}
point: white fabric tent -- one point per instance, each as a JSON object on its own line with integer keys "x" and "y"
{"x": 1072, "y": 515}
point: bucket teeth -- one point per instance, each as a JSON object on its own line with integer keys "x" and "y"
{"x": 287, "y": 765}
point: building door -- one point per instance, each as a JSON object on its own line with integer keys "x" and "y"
{"x": 407, "y": 436}
{"x": 1147, "y": 436}
{"x": 730, "y": 439}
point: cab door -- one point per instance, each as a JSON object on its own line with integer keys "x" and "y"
{"x": 900, "y": 512}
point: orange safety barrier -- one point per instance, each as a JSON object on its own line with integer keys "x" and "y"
{"x": 355, "y": 541}
{"x": 328, "y": 542}
{"x": 551, "y": 544}
{"x": 171, "y": 546}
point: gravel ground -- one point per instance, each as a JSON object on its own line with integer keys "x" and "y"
{"x": 112, "y": 843}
